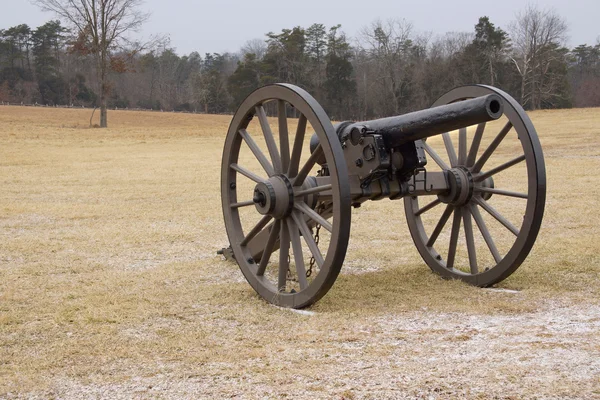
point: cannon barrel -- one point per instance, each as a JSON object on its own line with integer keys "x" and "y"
{"x": 430, "y": 122}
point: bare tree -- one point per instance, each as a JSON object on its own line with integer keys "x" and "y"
{"x": 101, "y": 26}
{"x": 388, "y": 44}
{"x": 536, "y": 36}
{"x": 258, "y": 47}
{"x": 453, "y": 43}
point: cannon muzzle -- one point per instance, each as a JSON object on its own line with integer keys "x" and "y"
{"x": 402, "y": 129}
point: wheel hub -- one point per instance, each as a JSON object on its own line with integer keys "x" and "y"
{"x": 461, "y": 187}
{"x": 487, "y": 183}
{"x": 274, "y": 197}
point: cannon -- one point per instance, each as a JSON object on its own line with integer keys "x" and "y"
{"x": 470, "y": 171}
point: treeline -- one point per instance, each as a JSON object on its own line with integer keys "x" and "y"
{"x": 387, "y": 69}
{"x": 38, "y": 66}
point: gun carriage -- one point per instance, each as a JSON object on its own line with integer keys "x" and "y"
{"x": 287, "y": 193}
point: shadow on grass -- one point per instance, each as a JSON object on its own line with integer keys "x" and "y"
{"x": 399, "y": 289}
{"x": 415, "y": 287}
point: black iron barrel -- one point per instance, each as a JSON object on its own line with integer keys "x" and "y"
{"x": 430, "y": 122}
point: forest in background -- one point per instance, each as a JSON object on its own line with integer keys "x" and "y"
{"x": 389, "y": 68}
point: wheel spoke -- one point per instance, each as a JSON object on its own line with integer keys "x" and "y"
{"x": 310, "y": 163}
{"x": 450, "y": 149}
{"x": 428, "y": 207}
{"x": 438, "y": 160}
{"x": 262, "y": 159}
{"x": 284, "y": 254}
{"x": 492, "y": 147}
{"x": 499, "y": 168}
{"x": 485, "y": 233}
{"x": 308, "y": 238}
{"x": 312, "y": 214}
{"x": 462, "y": 146}
{"x": 316, "y": 189}
{"x": 468, "y": 225}
{"x": 297, "y": 150}
{"x": 501, "y": 192}
{"x": 440, "y": 225}
{"x": 284, "y": 141}
{"x": 266, "y": 255}
{"x": 298, "y": 257}
{"x": 453, "y": 238}
{"x": 269, "y": 139}
{"x": 242, "y": 204}
{"x": 475, "y": 145}
{"x": 492, "y": 211}
{"x": 261, "y": 224}
{"x": 248, "y": 174}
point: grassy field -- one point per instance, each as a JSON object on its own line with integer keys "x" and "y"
{"x": 110, "y": 286}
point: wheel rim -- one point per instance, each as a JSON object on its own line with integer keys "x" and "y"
{"x": 483, "y": 262}
{"x": 282, "y": 172}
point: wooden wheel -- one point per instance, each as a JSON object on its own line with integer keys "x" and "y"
{"x": 274, "y": 202}
{"x": 499, "y": 181}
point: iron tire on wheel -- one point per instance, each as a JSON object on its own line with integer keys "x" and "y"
{"x": 525, "y": 235}
{"x": 291, "y": 225}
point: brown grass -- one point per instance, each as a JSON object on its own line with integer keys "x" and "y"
{"x": 110, "y": 286}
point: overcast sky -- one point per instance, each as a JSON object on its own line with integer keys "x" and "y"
{"x": 220, "y": 26}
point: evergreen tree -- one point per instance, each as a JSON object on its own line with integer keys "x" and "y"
{"x": 285, "y": 60}
{"x": 316, "y": 51}
{"x": 48, "y": 40}
{"x": 490, "y": 45}
{"x": 244, "y": 80}
{"x": 340, "y": 87}
{"x": 584, "y": 75}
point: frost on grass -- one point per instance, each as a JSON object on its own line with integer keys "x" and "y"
{"x": 110, "y": 286}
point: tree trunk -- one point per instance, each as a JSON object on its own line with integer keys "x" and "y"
{"x": 92, "y": 117}
{"x": 395, "y": 97}
{"x": 533, "y": 95}
{"x": 523, "y": 92}
{"x": 103, "y": 112}
{"x": 28, "y": 61}
{"x": 523, "y": 77}
{"x": 103, "y": 92}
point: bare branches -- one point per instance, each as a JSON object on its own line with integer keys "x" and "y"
{"x": 390, "y": 44}
{"x": 537, "y": 36}
{"x": 258, "y": 47}
{"x": 101, "y": 26}
{"x": 106, "y": 22}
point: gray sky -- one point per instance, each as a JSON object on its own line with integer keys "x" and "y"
{"x": 219, "y": 26}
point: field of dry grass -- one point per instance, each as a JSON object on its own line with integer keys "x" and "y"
{"x": 110, "y": 286}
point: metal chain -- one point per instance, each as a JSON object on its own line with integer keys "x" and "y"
{"x": 312, "y": 258}
{"x": 312, "y": 261}
{"x": 318, "y": 209}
